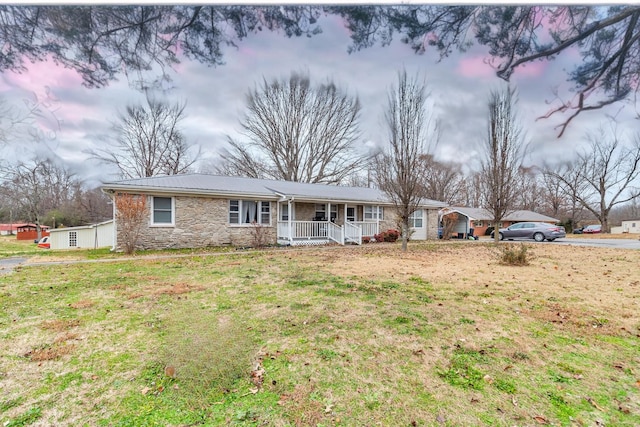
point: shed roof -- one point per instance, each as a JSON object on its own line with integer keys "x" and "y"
{"x": 233, "y": 186}
{"x": 480, "y": 214}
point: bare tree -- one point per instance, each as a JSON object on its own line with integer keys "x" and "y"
{"x": 564, "y": 184}
{"x": 36, "y": 187}
{"x": 398, "y": 166}
{"x": 530, "y": 192}
{"x": 443, "y": 181}
{"x": 297, "y": 132}
{"x": 149, "y": 141}
{"x": 470, "y": 192}
{"x": 604, "y": 175}
{"x": 505, "y": 150}
{"x": 131, "y": 212}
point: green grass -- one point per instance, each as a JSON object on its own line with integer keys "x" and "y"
{"x": 278, "y": 338}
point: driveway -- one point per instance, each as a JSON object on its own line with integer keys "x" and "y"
{"x": 631, "y": 243}
{"x": 8, "y": 264}
{"x": 601, "y": 243}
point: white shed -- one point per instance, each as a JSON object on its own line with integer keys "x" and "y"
{"x": 629, "y": 226}
{"x": 86, "y": 237}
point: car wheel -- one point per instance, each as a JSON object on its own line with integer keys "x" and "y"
{"x": 501, "y": 236}
{"x": 538, "y": 237}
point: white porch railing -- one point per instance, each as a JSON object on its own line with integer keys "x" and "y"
{"x": 303, "y": 229}
{"x": 368, "y": 228}
{"x": 335, "y": 233}
{"x": 352, "y": 233}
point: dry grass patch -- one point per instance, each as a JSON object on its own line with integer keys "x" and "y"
{"x": 60, "y": 325}
{"x": 85, "y": 303}
{"x": 178, "y": 289}
{"x": 305, "y": 409}
{"x": 50, "y": 351}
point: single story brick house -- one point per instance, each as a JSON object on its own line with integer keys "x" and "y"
{"x": 200, "y": 210}
{"x": 475, "y": 221}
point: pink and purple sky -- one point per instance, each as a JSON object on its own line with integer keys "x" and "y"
{"x": 76, "y": 119}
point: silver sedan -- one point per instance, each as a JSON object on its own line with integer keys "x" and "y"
{"x": 538, "y": 231}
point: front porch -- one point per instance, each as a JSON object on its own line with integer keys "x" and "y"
{"x": 298, "y": 233}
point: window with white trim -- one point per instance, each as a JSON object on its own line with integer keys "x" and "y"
{"x": 249, "y": 212}
{"x": 73, "y": 239}
{"x": 415, "y": 219}
{"x": 477, "y": 223}
{"x": 162, "y": 211}
{"x": 321, "y": 212}
{"x": 373, "y": 212}
{"x": 351, "y": 214}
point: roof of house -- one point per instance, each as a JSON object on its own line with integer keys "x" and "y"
{"x": 479, "y": 214}
{"x": 233, "y": 186}
{"x": 15, "y": 225}
{"x": 66, "y": 229}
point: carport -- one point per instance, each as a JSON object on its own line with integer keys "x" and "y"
{"x": 462, "y": 228}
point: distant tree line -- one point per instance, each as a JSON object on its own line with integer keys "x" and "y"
{"x": 45, "y": 193}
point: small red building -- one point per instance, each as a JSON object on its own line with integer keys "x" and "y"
{"x": 30, "y": 231}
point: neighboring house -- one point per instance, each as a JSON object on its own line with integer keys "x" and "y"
{"x": 87, "y": 237}
{"x": 30, "y": 231}
{"x": 200, "y": 210}
{"x": 475, "y": 221}
{"x": 627, "y": 226}
{"x": 9, "y": 229}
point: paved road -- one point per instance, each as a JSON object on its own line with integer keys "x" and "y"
{"x": 598, "y": 243}
{"x": 602, "y": 243}
{"x": 8, "y": 264}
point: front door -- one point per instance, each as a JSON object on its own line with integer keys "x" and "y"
{"x": 418, "y": 225}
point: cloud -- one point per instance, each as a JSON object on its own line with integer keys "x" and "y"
{"x": 80, "y": 119}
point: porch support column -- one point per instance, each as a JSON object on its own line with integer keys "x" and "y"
{"x": 290, "y": 214}
{"x": 344, "y": 214}
{"x": 329, "y": 211}
{"x": 426, "y": 223}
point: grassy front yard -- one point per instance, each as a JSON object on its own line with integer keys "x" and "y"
{"x": 441, "y": 336}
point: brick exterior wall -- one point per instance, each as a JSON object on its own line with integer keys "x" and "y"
{"x": 203, "y": 222}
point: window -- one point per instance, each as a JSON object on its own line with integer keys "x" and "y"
{"x": 284, "y": 212}
{"x": 373, "y": 212}
{"x": 477, "y": 223}
{"x": 73, "y": 239}
{"x": 415, "y": 219}
{"x": 351, "y": 214}
{"x": 265, "y": 213}
{"x": 234, "y": 211}
{"x": 162, "y": 211}
{"x": 248, "y": 212}
{"x": 321, "y": 212}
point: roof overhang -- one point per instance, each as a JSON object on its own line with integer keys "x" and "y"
{"x": 172, "y": 191}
